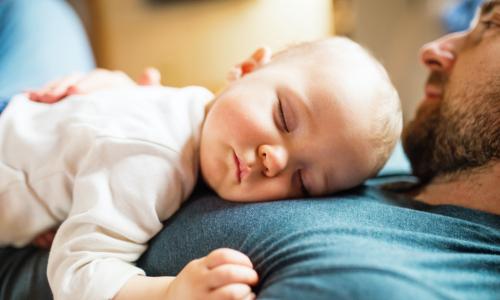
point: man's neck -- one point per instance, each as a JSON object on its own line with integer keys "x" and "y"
{"x": 477, "y": 189}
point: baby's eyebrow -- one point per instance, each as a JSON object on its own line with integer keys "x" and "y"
{"x": 299, "y": 102}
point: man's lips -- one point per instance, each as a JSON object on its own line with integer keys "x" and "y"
{"x": 434, "y": 87}
{"x": 433, "y": 92}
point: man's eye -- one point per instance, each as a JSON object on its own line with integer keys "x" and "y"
{"x": 282, "y": 116}
{"x": 490, "y": 24}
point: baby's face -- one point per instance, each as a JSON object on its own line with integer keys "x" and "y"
{"x": 292, "y": 128}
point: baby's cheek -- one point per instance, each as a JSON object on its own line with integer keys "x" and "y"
{"x": 257, "y": 127}
{"x": 265, "y": 188}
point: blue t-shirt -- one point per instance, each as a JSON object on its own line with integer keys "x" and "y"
{"x": 367, "y": 243}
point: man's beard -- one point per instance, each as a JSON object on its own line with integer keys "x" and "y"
{"x": 457, "y": 134}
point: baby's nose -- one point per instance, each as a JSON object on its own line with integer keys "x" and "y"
{"x": 274, "y": 159}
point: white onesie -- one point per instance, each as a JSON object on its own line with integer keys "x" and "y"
{"x": 109, "y": 167}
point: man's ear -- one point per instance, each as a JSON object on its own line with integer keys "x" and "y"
{"x": 259, "y": 58}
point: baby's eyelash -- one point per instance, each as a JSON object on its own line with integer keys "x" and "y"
{"x": 282, "y": 116}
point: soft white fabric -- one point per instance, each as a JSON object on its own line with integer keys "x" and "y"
{"x": 109, "y": 166}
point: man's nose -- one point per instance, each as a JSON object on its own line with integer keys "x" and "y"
{"x": 440, "y": 55}
{"x": 274, "y": 159}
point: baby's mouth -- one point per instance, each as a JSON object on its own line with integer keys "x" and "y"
{"x": 237, "y": 163}
{"x": 242, "y": 169}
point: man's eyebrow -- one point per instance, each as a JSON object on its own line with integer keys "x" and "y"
{"x": 488, "y": 6}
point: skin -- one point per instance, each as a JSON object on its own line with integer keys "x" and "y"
{"x": 249, "y": 152}
{"x": 454, "y": 141}
{"x": 222, "y": 274}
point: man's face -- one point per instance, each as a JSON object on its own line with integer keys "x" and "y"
{"x": 289, "y": 129}
{"x": 457, "y": 126}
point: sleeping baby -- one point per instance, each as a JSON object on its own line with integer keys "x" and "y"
{"x": 113, "y": 160}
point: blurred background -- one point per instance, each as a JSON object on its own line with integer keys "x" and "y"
{"x": 195, "y": 42}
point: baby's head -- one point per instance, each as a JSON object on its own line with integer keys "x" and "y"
{"x": 314, "y": 119}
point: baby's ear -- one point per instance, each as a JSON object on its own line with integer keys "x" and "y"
{"x": 259, "y": 58}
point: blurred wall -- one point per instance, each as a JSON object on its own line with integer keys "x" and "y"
{"x": 197, "y": 42}
{"x": 395, "y": 30}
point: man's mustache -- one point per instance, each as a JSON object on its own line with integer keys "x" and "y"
{"x": 437, "y": 79}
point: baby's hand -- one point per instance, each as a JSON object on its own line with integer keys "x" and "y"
{"x": 44, "y": 240}
{"x": 96, "y": 80}
{"x": 223, "y": 274}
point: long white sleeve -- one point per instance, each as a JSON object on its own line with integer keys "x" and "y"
{"x": 115, "y": 213}
{"x": 109, "y": 166}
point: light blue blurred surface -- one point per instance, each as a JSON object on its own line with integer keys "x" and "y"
{"x": 397, "y": 164}
{"x": 458, "y": 17}
{"x": 40, "y": 40}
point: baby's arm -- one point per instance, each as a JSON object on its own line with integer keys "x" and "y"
{"x": 44, "y": 240}
{"x": 120, "y": 198}
{"x": 223, "y": 274}
{"x": 96, "y": 80}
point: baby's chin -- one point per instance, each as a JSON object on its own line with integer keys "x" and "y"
{"x": 232, "y": 195}
{"x": 236, "y": 195}
{"x": 221, "y": 188}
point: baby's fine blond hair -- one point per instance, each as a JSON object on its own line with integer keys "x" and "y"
{"x": 385, "y": 105}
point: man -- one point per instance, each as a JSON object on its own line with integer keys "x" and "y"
{"x": 439, "y": 240}
{"x": 454, "y": 142}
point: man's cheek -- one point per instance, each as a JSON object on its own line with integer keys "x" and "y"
{"x": 419, "y": 138}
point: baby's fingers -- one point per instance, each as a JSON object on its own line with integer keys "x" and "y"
{"x": 250, "y": 296}
{"x": 44, "y": 241}
{"x": 56, "y": 90}
{"x": 150, "y": 76}
{"x": 226, "y": 256}
{"x": 100, "y": 80}
{"x": 61, "y": 90}
{"x": 228, "y": 274}
{"x": 232, "y": 292}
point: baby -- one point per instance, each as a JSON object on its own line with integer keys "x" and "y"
{"x": 114, "y": 160}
